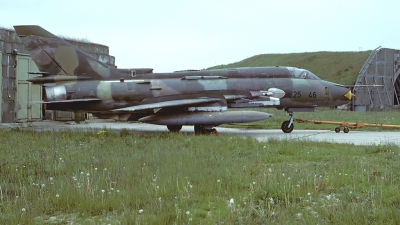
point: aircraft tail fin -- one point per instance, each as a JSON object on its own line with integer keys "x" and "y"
{"x": 55, "y": 56}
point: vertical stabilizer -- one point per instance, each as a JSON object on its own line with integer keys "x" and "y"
{"x": 56, "y": 56}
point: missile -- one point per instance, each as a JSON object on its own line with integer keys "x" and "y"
{"x": 205, "y": 118}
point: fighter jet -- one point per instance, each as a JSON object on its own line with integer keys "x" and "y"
{"x": 75, "y": 81}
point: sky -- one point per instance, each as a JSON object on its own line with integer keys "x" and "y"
{"x": 172, "y": 35}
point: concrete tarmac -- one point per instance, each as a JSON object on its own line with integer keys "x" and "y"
{"x": 353, "y": 137}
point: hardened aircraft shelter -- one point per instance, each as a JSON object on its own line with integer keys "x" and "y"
{"x": 378, "y": 83}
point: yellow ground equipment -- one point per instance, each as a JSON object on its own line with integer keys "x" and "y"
{"x": 346, "y": 125}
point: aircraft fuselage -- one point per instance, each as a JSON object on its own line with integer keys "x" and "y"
{"x": 129, "y": 90}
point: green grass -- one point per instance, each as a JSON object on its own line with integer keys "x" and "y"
{"x": 338, "y": 67}
{"x": 165, "y": 178}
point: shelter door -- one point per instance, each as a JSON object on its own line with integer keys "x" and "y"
{"x": 27, "y": 92}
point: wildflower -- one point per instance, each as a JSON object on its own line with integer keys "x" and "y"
{"x": 140, "y": 211}
{"x": 254, "y": 182}
{"x": 102, "y": 132}
{"x": 308, "y": 193}
{"x": 218, "y": 181}
{"x": 102, "y": 191}
{"x": 95, "y": 168}
{"x": 43, "y": 185}
{"x": 328, "y": 197}
{"x": 57, "y": 195}
{"x": 187, "y": 213}
{"x": 271, "y": 200}
{"x": 231, "y": 201}
{"x": 117, "y": 191}
{"x": 51, "y": 178}
{"x": 88, "y": 174}
{"x": 269, "y": 170}
{"x": 23, "y": 210}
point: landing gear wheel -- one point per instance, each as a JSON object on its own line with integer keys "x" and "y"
{"x": 285, "y": 127}
{"x": 174, "y": 128}
{"x": 214, "y": 132}
{"x": 346, "y": 130}
{"x": 337, "y": 129}
{"x": 199, "y": 130}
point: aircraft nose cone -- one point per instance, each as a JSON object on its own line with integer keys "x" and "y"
{"x": 349, "y": 95}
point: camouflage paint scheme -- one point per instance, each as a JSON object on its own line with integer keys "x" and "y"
{"x": 75, "y": 81}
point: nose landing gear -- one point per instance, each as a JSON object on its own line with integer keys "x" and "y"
{"x": 287, "y": 126}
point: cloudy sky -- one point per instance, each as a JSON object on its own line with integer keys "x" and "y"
{"x": 185, "y": 34}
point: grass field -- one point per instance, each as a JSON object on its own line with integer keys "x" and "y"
{"x": 104, "y": 177}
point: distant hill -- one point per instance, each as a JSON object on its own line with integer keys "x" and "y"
{"x": 338, "y": 67}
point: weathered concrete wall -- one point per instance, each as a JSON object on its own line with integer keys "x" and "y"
{"x": 9, "y": 41}
{"x": 100, "y": 52}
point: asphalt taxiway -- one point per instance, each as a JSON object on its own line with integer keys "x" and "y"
{"x": 353, "y": 137}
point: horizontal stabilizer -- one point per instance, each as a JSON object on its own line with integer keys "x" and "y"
{"x": 38, "y": 72}
{"x": 69, "y": 101}
{"x": 165, "y": 104}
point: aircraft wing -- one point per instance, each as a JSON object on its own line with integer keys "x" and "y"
{"x": 168, "y": 104}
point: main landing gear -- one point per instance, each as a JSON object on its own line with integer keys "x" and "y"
{"x": 174, "y": 128}
{"x": 287, "y": 126}
{"x": 205, "y": 130}
{"x": 198, "y": 129}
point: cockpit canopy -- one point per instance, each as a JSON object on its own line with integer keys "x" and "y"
{"x": 302, "y": 74}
